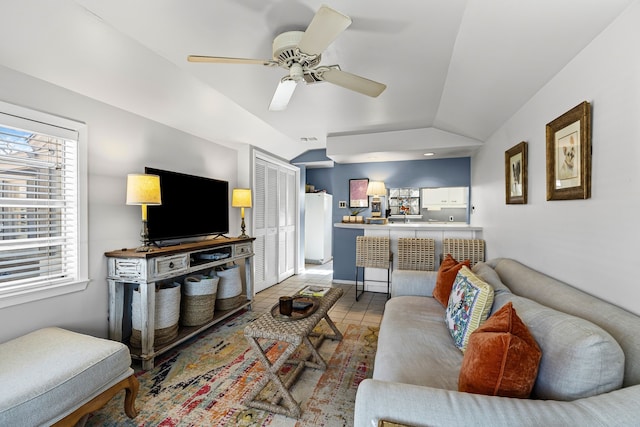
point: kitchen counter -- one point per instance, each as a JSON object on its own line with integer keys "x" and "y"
{"x": 344, "y": 247}
{"x": 375, "y": 278}
{"x": 420, "y": 226}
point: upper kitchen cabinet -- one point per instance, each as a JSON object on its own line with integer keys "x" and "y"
{"x": 445, "y": 197}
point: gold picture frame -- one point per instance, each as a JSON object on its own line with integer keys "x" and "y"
{"x": 569, "y": 154}
{"x": 515, "y": 174}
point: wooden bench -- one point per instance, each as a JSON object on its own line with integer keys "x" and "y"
{"x": 57, "y": 377}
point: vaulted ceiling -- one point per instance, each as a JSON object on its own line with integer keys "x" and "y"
{"x": 455, "y": 70}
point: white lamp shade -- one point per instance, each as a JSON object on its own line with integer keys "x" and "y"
{"x": 376, "y": 188}
{"x": 143, "y": 189}
{"x": 241, "y": 198}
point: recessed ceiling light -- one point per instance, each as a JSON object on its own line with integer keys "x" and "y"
{"x": 429, "y": 154}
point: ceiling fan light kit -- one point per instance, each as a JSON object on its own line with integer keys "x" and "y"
{"x": 295, "y": 72}
{"x": 300, "y": 52}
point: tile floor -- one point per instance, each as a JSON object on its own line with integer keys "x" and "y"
{"x": 367, "y": 311}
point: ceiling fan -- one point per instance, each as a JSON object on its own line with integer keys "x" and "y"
{"x": 300, "y": 53}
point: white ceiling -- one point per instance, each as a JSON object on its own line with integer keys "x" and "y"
{"x": 455, "y": 70}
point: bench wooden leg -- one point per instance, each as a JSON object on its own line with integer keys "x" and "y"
{"x": 131, "y": 392}
{"x": 129, "y": 384}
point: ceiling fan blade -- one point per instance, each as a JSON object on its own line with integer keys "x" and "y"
{"x": 225, "y": 60}
{"x": 326, "y": 25}
{"x": 283, "y": 94}
{"x": 353, "y": 82}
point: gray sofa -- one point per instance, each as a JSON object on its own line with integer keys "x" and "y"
{"x": 589, "y": 374}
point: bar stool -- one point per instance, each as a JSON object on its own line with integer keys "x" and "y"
{"x": 461, "y": 249}
{"x": 373, "y": 252}
{"x": 416, "y": 254}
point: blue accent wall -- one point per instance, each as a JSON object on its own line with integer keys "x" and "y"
{"x": 413, "y": 173}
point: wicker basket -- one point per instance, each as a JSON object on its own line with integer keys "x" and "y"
{"x": 167, "y": 315}
{"x": 229, "y": 288}
{"x": 198, "y": 300}
{"x": 229, "y": 303}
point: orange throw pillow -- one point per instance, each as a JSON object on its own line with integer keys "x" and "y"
{"x": 502, "y": 357}
{"x": 446, "y": 276}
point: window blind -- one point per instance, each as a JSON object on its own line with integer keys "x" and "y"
{"x": 38, "y": 206}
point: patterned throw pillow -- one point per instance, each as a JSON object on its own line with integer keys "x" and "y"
{"x": 469, "y": 305}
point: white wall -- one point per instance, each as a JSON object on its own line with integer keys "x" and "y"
{"x": 118, "y": 143}
{"x": 591, "y": 244}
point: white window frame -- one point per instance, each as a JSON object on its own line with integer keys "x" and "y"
{"x": 28, "y": 119}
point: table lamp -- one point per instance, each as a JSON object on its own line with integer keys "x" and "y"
{"x": 143, "y": 190}
{"x": 376, "y": 189}
{"x": 241, "y": 198}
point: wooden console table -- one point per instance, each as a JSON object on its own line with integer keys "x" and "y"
{"x": 128, "y": 267}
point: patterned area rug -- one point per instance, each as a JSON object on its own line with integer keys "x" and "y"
{"x": 204, "y": 381}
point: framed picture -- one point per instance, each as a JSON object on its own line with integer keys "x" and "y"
{"x": 358, "y": 193}
{"x": 515, "y": 174}
{"x": 569, "y": 155}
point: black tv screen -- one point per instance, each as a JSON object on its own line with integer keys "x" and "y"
{"x": 191, "y": 206}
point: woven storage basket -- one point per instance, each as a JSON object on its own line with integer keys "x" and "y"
{"x": 198, "y": 300}
{"x": 229, "y": 288}
{"x": 167, "y": 315}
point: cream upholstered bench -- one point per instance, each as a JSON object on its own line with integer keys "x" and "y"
{"x": 57, "y": 377}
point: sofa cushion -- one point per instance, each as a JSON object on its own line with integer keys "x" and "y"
{"x": 489, "y": 275}
{"x": 620, "y": 323}
{"x": 413, "y": 282}
{"x": 48, "y": 373}
{"x": 502, "y": 357}
{"x": 579, "y": 359}
{"x": 446, "y": 276}
{"x": 414, "y": 345}
{"x": 468, "y": 307}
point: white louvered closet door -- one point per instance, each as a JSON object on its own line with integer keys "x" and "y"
{"x": 287, "y": 189}
{"x": 275, "y": 221}
{"x": 266, "y": 224}
{"x": 259, "y": 225}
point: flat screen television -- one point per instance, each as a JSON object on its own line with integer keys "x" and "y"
{"x": 191, "y": 206}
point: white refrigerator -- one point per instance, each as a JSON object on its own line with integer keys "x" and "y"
{"x": 318, "y": 228}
